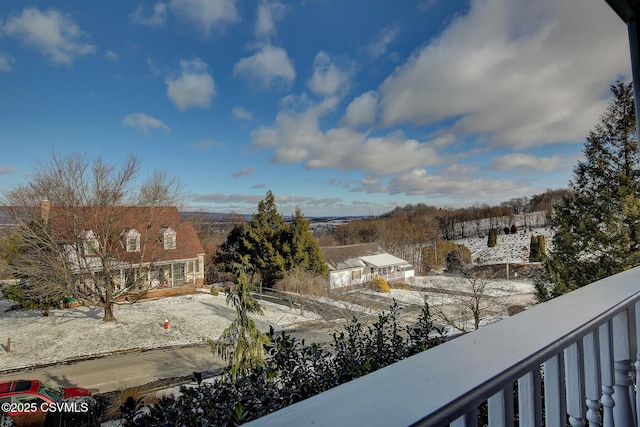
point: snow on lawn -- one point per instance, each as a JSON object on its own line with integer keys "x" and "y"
{"x": 79, "y": 332}
{"x": 513, "y": 248}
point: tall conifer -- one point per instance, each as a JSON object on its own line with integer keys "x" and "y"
{"x": 597, "y": 226}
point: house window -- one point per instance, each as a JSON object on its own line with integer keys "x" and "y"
{"x": 132, "y": 241}
{"x": 88, "y": 243}
{"x": 356, "y": 274}
{"x": 168, "y": 238}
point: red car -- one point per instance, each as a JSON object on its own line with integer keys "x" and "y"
{"x": 22, "y": 397}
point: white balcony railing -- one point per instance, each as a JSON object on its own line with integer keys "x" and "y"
{"x": 574, "y": 361}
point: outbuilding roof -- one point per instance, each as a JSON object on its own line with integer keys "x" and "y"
{"x": 360, "y": 255}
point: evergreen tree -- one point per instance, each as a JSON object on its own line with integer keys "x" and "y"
{"x": 241, "y": 343}
{"x": 273, "y": 247}
{"x": 304, "y": 250}
{"x": 597, "y": 226}
{"x": 492, "y": 241}
{"x": 537, "y": 249}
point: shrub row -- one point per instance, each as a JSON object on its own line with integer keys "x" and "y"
{"x": 294, "y": 371}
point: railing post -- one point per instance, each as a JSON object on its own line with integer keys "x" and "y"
{"x": 555, "y": 405}
{"x": 592, "y": 380}
{"x": 575, "y": 384}
{"x": 501, "y": 408}
{"x": 622, "y": 388}
{"x": 530, "y": 399}
{"x": 606, "y": 371}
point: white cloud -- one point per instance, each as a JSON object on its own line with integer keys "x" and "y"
{"x": 363, "y": 110}
{"x": 143, "y": 123}
{"x": 513, "y": 72}
{"x": 111, "y": 55}
{"x": 194, "y": 87}
{"x": 6, "y": 62}
{"x": 269, "y": 68}
{"x": 269, "y": 13}
{"x": 206, "y": 15}
{"x": 51, "y": 32}
{"x": 156, "y": 18}
{"x": 327, "y": 78}
{"x": 379, "y": 45}
{"x": 456, "y": 187}
{"x": 240, "y": 113}
{"x": 528, "y": 163}
{"x": 297, "y": 138}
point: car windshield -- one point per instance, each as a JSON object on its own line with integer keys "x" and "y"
{"x": 54, "y": 393}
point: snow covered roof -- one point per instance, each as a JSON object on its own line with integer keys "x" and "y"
{"x": 382, "y": 260}
{"x": 361, "y": 255}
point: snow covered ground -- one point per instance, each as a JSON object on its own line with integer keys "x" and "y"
{"x": 79, "y": 332}
{"x": 512, "y": 248}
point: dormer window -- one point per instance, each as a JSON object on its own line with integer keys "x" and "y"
{"x": 132, "y": 241}
{"x": 88, "y": 242}
{"x": 168, "y": 238}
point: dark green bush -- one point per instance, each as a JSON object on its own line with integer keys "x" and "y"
{"x": 295, "y": 371}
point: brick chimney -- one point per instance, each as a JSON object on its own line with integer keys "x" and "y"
{"x": 45, "y": 210}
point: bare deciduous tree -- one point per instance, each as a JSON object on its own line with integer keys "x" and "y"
{"x": 470, "y": 301}
{"x": 72, "y": 244}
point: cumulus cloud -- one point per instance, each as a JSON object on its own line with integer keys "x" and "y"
{"x": 206, "y": 15}
{"x": 156, "y": 18}
{"x": 143, "y": 123}
{"x": 528, "y": 163}
{"x": 6, "y": 62}
{"x": 327, "y": 79}
{"x": 52, "y": 33}
{"x": 362, "y": 111}
{"x": 270, "y": 67}
{"x": 269, "y": 13}
{"x": 240, "y": 113}
{"x": 507, "y": 71}
{"x": 379, "y": 45}
{"x": 297, "y": 138}
{"x": 459, "y": 188}
{"x": 193, "y": 87}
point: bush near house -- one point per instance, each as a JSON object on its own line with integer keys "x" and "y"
{"x": 378, "y": 284}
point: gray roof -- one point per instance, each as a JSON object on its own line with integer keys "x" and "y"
{"x": 361, "y": 255}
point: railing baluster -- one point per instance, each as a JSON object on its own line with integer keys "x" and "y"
{"x": 530, "y": 399}
{"x": 592, "y": 380}
{"x": 470, "y": 419}
{"x": 575, "y": 384}
{"x": 606, "y": 372}
{"x": 622, "y": 409}
{"x": 555, "y": 406}
{"x": 501, "y": 408}
{"x": 637, "y": 363}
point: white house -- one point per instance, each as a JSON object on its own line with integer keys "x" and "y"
{"x": 357, "y": 264}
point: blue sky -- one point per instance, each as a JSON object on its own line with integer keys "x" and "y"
{"x": 339, "y": 107}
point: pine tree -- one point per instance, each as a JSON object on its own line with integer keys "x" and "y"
{"x": 273, "y": 247}
{"x": 304, "y": 249}
{"x": 241, "y": 343}
{"x": 597, "y": 226}
{"x": 492, "y": 241}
